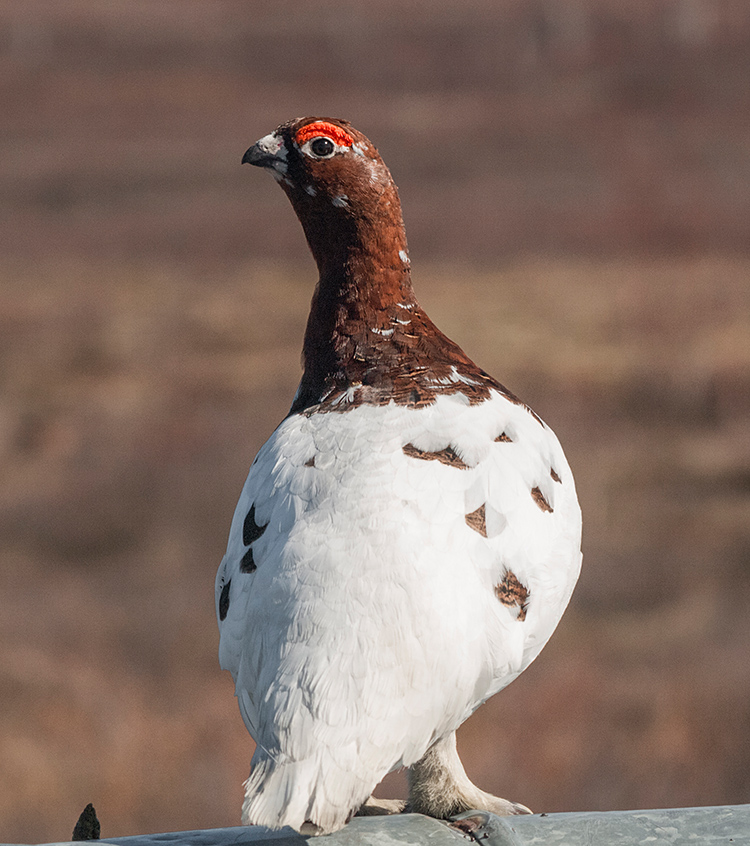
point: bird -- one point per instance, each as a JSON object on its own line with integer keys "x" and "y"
{"x": 408, "y": 537}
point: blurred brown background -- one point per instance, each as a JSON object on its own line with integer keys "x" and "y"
{"x": 575, "y": 177}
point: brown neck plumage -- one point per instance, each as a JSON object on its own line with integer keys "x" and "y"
{"x": 363, "y": 291}
{"x": 369, "y": 342}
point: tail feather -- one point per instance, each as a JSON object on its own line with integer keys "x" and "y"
{"x": 310, "y": 796}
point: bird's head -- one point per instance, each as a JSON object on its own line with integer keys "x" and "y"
{"x": 322, "y": 158}
{"x": 338, "y": 184}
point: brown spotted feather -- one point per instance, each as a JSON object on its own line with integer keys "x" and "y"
{"x": 447, "y": 456}
{"x": 476, "y": 520}
{"x": 513, "y": 594}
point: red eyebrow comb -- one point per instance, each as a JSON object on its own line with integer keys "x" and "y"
{"x": 329, "y": 130}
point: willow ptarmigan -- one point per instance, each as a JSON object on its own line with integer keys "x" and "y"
{"x": 406, "y": 540}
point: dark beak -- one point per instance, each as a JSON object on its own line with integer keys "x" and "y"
{"x": 256, "y": 156}
{"x": 269, "y": 152}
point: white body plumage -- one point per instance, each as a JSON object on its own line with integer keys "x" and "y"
{"x": 379, "y": 609}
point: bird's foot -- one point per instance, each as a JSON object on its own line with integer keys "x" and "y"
{"x": 476, "y": 800}
{"x": 439, "y": 786}
{"x": 375, "y": 807}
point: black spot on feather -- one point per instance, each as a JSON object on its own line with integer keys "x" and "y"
{"x": 224, "y": 601}
{"x": 251, "y": 531}
{"x": 248, "y": 565}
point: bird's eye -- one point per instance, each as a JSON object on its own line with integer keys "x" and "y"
{"x": 322, "y": 147}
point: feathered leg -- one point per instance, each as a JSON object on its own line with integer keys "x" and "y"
{"x": 439, "y": 786}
